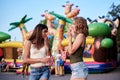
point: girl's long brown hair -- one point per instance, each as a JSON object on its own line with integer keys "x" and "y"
{"x": 81, "y": 25}
{"x": 36, "y": 37}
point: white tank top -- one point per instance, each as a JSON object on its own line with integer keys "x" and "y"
{"x": 37, "y": 53}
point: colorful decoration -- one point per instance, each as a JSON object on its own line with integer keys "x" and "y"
{"x": 12, "y": 44}
{"x": 107, "y": 43}
{"x": 20, "y": 24}
{"x": 89, "y": 40}
{"x": 69, "y": 12}
{"x": 61, "y": 17}
{"x": 68, "y": 7}
{"x": 4, "y": 36}
{"x": 99, "y": 29}
{"x": 1, "y": 52}
{"x": 104, "y": 31}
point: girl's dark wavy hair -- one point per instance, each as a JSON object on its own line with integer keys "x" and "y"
{"x": 36, "y": 37}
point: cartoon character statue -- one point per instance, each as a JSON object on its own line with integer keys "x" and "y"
{"x": 69, "y": 12}
{"x": 105, "y": 31}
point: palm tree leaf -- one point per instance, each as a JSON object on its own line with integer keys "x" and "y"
{"x": 23, "y": 19}
{"x": 27, "y": 20}
{"x": 12, "y": 28}
{"x": 25, "y": 28}
{"x": 15, "y": 23}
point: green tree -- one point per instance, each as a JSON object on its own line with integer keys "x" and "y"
{"x": 115, "y": 10}
{"x": 113, "y": 13}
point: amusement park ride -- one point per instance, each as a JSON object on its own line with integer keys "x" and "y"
{"x": 101, "y": 57}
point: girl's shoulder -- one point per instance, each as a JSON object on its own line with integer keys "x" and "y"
{"x": 81, "y": 35}
{"x": 27, "y": 43}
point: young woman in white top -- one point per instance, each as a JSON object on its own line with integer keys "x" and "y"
{"x": 36, "y": 53}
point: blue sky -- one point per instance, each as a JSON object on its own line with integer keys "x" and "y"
{"x": 14, "y": 10}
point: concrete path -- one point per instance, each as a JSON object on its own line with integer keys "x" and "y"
{"x": 113, "y": 75}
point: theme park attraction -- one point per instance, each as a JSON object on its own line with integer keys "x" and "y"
{"x": 100, "y": 54}
{"x": 13, "y": 49}
{"x": 8, "y": 48}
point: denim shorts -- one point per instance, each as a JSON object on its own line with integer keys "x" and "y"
{"x": 39, "y": 73}
{"x": 79, "y": 70}
{"x": 58, "y": 63}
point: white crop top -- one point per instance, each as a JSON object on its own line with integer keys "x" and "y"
{"x": 37, "y": 53}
